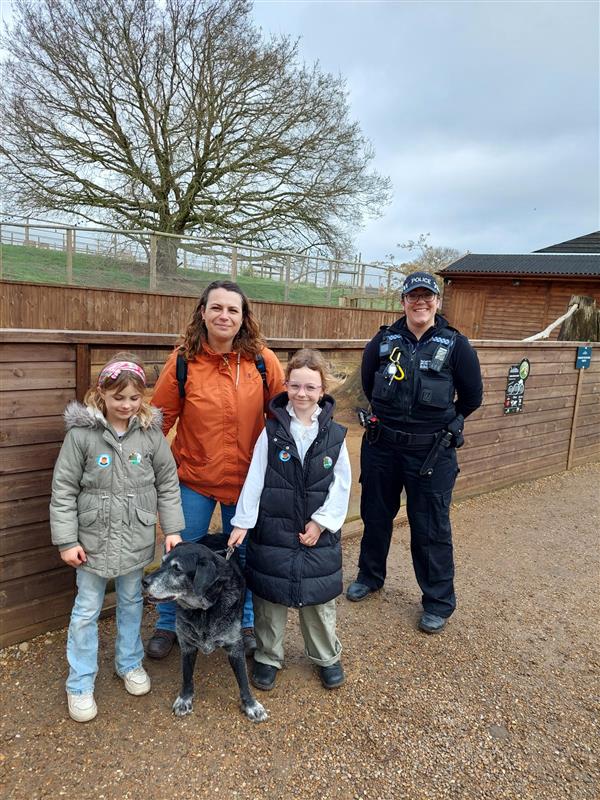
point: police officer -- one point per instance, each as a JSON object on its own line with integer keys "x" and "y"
{"x": 422, "y": 378}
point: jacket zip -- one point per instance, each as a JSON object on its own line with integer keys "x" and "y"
{"x": 411, "y": 381}
{"x": 299, "y": 553}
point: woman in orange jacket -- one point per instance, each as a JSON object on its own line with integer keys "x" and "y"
{"x": 217, "y": 394}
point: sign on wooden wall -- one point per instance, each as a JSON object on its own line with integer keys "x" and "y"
{"x": 584, "y": 357}
{"x": 515, "y": 387}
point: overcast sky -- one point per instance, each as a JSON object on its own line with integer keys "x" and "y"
{"x": 484, "y": 114}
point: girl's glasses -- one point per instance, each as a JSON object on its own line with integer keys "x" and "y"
{"x": 309, "y": 388}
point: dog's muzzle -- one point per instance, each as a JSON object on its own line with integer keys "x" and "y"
{"x": 147, "y": 582}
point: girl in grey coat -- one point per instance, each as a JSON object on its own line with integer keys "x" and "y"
{"x": 114, "y": 474}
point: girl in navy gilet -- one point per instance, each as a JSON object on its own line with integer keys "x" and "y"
{"x": 293, "y": 504}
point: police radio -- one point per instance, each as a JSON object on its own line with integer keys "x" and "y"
{"x": 439, "y": 358}
{"x": 385, "y": 348}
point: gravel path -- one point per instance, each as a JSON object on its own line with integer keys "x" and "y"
{"x": 503, "y": 704}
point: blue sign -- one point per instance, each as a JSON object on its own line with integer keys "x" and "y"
{"x": 584, "y": 357}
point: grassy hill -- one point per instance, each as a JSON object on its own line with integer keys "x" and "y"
{"x": 49, "y": 266}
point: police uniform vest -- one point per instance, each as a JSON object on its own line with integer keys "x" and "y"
{"x": 414, "y": 382}
{"x": 278, "y": 567}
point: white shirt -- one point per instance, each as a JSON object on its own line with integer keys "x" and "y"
{"x": 331, "y": 515}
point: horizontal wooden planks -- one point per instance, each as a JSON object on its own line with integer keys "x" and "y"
{"x": 24, "y": 511}
{"x": 26, "y": 305}
{"x": 500, "y": 449}
{"x": 13, "y": 636}
{"x": 37, "y": 380}
{"x": 26, "y": 536}
{"x": 27, "y": 458}
{"x": 33, "y": 352}
{"x": 505, "y": 448}
{"x": 29, "y": 562}
{"x": 37, "y": 611}
{"x": 31, "y": 430}
{"x": 47, "y": 375}
{"x": 508, "y": 307}
{"x": 33, "y": 403}
{"x": 36, "y": 586}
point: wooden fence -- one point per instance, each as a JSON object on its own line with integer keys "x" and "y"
{"x": 31, "y": 305}
{"x": 40, "y": 371}
{"x": 134, "y": 255}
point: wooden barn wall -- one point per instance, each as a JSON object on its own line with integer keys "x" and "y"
{"x": 36, "y": 588}
{"x": 502, "y": 449}
{"x": 40, "y": 371}
{"x": 33, "y": 305}
{"x": 494, "y": 308}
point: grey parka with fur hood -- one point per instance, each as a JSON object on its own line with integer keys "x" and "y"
{"x": 106, "y": 491}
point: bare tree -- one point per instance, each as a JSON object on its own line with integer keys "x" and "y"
{"x": 179, "y": 116}
{"x": 429, "y": 258}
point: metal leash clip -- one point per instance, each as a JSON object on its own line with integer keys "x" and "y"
{"x": 230, "y": 552}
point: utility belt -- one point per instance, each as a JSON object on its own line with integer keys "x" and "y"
{"x": 451, "y": 436}
{"x": 407, "y": 439}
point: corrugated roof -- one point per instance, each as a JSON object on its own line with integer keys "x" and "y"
{"x": 551, "y": 264}
{"x": 590, "y": 243}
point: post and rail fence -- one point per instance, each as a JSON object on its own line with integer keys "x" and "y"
{"x": 34, "y": 250}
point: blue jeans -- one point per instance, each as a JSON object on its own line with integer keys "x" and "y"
{"x": 82, "y": 640}
{"x": 198, "y": 510}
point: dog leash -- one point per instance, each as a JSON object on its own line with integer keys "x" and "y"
{"x": 230, "y": 552}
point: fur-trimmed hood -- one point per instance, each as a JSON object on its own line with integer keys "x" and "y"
{"x": 76, "y": 415}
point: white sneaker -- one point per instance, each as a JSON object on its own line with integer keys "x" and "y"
{"x": 137, "y": 681}
{"x": 82, "y": 707}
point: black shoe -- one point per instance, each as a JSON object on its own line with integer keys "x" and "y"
{"x": 263, "y": 676}
{"x": 161, "y": 643}
{"x": 333, "y": 676}
{"x": 358, "y": 591}
{"x": 432, "y": 623}
{"x": 249, "y": 641}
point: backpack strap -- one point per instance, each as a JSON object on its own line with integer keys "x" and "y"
{"x": 181, "y": 370}
{"x": 262, "y": 368}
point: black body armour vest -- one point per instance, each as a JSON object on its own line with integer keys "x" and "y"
{"x": 416, "y": 383}
{"x": 278, "y": 567}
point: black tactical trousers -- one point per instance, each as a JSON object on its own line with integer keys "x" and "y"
{"x": 387, "y": 468}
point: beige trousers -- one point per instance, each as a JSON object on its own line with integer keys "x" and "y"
{"x": 317, "y": 624}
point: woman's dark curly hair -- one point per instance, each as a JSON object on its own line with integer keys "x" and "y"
{"x": 248, "y": 340}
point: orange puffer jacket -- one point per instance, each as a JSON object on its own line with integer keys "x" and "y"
{"x": 217, "y": 423}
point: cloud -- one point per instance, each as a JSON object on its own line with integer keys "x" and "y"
{"x": 485, "y": 115}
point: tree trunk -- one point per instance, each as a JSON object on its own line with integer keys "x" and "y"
{"x": 584, "y": 324}
{"x": 166, "y": 255}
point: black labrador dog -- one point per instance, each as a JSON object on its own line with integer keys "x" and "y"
{"x": 209, "y": 591}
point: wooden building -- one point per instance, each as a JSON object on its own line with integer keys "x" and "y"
{"x": 514, "y": 296}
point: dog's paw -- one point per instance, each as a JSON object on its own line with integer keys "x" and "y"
{"x": 183, "y": 706}
{"x": 256, "y": 712}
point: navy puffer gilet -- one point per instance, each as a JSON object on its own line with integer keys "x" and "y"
{"x": 278, "y": 567}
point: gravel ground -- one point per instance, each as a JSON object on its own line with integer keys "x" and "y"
{"x": 502, "y": 704}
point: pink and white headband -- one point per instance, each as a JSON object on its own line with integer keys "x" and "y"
{"x": 116, "y": 368}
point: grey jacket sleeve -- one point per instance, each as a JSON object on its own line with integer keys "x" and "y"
{"x": 66, "y": 479}
{"x": 170, "y": 512}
